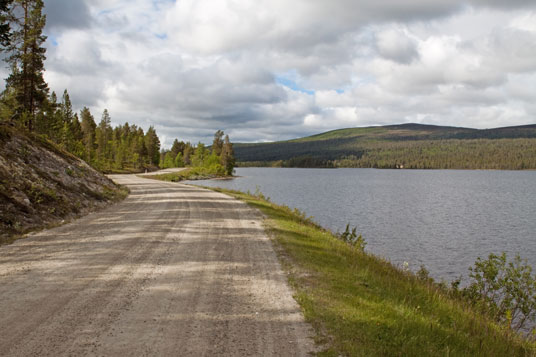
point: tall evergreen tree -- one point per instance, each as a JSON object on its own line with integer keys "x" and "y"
{"x": 227, "y": 159}
{"x": 76, "y": 128}
{"x": 217, "y": 144}
{"x": 177, "y": 147}
{"x": 27, "y": 59}
{"x": 51, "y": 122}
{"x": 103, "y": 137}
{"x": 152, "y": 143}
{"x": 5, "y": 29}
{"x": 188, "y": 151}
{"x": 66, "y": 108}
{"x": 88, "y": 130}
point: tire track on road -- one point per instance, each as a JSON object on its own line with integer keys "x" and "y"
{"x": 172, "y": 270}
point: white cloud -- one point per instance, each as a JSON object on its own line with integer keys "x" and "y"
{"x": 191, "y": 67}
{"x": 396, "y": 45}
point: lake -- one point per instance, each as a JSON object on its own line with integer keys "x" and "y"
{"x": 443, "y": 219}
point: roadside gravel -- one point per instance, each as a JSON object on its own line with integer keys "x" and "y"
{"x": 173, "y": 270}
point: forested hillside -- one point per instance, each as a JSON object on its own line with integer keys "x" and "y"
{"x": 401, "y": 146}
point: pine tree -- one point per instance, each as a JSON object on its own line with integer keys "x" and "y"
{"x": 227, "y": 159}
{"x": 103, "y": 135}
{"x": 200, "y": 155}
{"x": 188, "y": 150}
{"x": 5, "y": 29}
{"x": 152, "y": 143}
{"x": 67, "y": 141}
{"x": 78, "y": 147}
{"x": 66, "y": 108}
{"x": 88, "y": 129}
{"x": 27, "y": 59}
{"x": 177, "y": 147}
{"x": 8, "y": 103}
{"x": 76, "y": 128}
{"x": 51, "y": 122}
{"x": 217, "y": 143}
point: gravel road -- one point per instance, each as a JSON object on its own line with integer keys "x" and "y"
{"x": 171, "y": 271}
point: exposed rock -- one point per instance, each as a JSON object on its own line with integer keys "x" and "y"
{"x": 42, "y": 185}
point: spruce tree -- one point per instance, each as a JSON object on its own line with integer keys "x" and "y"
{"x": 177, "y": 147}
{"x": 103, "y": 136}
{"x": 88, "y": 129}
{"x": 227, "y": 159}
{"x": 217, "y": 144}
{"x": 27, "y": 59}
{"x": 66, "y": 108}
{"x": 188, "y": 151}
{"x": 5, "y": 29}
{"x": 152, "y": 143}
{"x": 50, "y": 121}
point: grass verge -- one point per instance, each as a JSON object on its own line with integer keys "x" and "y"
{"x": 191, "y": 173}
{"x": 361, "y": 305}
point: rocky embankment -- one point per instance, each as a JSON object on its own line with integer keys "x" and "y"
{"x": 42, "y": 185}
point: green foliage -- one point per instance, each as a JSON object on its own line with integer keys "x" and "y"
{"x": 191, "y": 173}
{"x": 152, "y": 144}
{"x": 217, "y": 161}
{"x": 506, "y": 290}
{"x": 5, "y": 29}
{"x": 199, "y": 156}
{"x": 217, "y": 144}
{"x": 89, "y": 136}
{"x": 227, "y": 158}
{"x": 258, "y": 193}
{"x": 26, "y": 59}
{"x": 350, "y": 237}
{"x": 168, "y": 161}
{"x": 424, "y": 275}
{"x": 179, "y": 162}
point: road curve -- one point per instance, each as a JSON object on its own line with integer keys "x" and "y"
{"x": 173, "y": 270}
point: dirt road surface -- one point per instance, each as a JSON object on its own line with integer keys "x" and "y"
{"x": 171, "y": 271}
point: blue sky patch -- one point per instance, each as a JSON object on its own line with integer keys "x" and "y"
{"x": 53, "y": 40}
{"x": 289, "y": 83}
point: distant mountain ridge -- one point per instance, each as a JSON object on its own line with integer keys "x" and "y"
{"x": 405, "y": 145}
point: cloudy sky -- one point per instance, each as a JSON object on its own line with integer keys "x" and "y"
{"x": 266, "y": 70}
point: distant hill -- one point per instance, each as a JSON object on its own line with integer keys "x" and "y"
{"x": 401, "y": 146}
{"x": 42, "y": 185}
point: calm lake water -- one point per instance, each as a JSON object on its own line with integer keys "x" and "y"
{"x": 443, "y": 219}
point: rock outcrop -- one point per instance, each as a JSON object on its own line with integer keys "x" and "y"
{"x": 42, "y": 185}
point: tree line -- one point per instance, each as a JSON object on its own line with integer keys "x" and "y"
{"x": 218, "y": 159}
{"x": 27, "y": 104}
{"x": 511, "y": 153}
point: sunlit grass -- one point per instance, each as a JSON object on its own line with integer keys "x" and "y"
{"x": 361, "y": 305}
{"x": 190, "y": 173}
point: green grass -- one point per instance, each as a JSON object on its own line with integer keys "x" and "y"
{"x": 191, "y": 173}
{"x": 361, "y": 305}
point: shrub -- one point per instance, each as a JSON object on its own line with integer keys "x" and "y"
{"x": 504, "y": 289}
{"x": 352, "y": 238}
